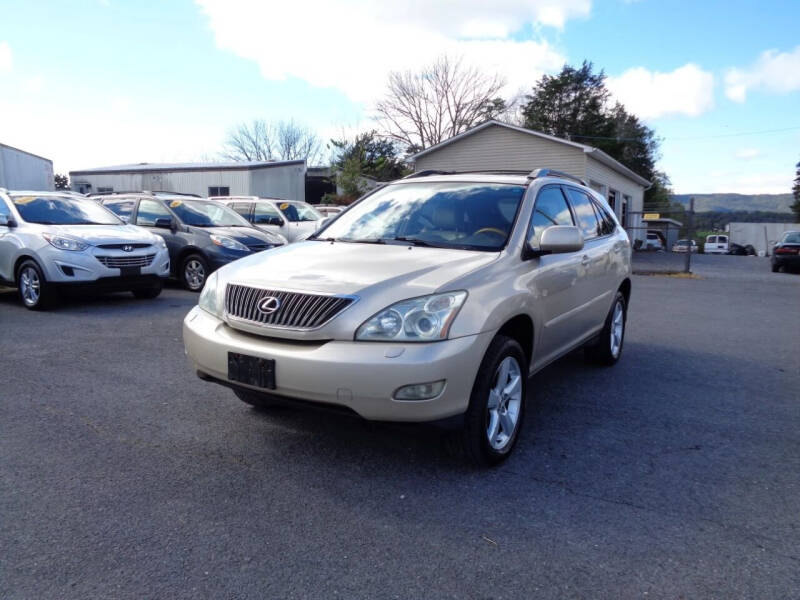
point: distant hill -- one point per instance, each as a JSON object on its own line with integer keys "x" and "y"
{"x": 737, "y": 202}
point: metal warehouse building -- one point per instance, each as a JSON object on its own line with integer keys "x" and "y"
{"x": 284, "y": 179}
{"x": 496, "y": 145}
{"x": 20, "y": 170}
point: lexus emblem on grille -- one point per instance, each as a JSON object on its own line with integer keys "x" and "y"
{"x": 269, "y": 305}
{"x": 127, "y": 248}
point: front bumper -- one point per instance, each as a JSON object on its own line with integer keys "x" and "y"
{"x": 78, "y": 268}
{"x": 361, "y": 376}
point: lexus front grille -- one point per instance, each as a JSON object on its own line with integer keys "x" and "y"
{"x": 276, "y": 308}
{"x": 119, "y": 262}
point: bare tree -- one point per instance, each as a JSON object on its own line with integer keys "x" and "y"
{"x": 423, "y": 108}
{"x": 261, "y": 140}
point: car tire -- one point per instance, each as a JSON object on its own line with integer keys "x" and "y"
{"x": 34, "y": 291}
{"x": 254, "y": 399}
{"x": 607, "y": 349}
{"x": 776, "y": 268}
{"x": 149, "y": 293}
{"x": 193, "y": 273}
{"x": 496, "y": 408}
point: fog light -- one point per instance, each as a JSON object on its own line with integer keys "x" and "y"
{"x": 420, "y": 391}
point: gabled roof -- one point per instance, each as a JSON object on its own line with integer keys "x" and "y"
{"x": 595, "y": 153}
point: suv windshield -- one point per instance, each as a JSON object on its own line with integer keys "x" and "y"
{"x": 203, "y": 213}
{"x": 297, "y": 211}
{"x": 63, "y": 210}
{"x": 472, "y": 216}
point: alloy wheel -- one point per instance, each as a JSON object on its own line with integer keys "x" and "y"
{"x": 29, "y": 286}
{"x": 195, "y": 274}
{"x": 617, "y": 328}
{"x": 505, "y": 403}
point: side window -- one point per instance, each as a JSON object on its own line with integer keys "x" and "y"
{"x": 149, "y": 211}
{"x": 584, "y": 213}
{"x": 243, "y": 208}
{"x": 266, "y": 214}
{"x": 121, "y": 208}
{"x": 550, "y": 209}
{"x": 607, "y": 224}
{"x": 4, "y": 210}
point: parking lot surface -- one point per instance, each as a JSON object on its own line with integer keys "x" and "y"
{"x": 675, "y": 474}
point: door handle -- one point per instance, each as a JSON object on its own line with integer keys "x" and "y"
{"x": 585, "y": 260}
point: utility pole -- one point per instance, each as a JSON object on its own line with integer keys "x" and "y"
{"x": 687, "y": 267}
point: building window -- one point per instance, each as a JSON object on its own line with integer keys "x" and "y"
{"x": 105, "y": 190}
{"x": 623, "y": 213}
{"x": 612, "y": 199}
{"x": 219, "y": 191}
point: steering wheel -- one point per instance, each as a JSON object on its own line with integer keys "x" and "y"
{"x": 499, "y": 232}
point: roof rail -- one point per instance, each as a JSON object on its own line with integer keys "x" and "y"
{"x": 536, "y": 173}
{"x": 428, "y": 172}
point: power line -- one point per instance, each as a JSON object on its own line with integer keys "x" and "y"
{"x": 703, "y": 137}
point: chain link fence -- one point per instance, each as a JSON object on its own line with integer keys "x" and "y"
{"x": 663, "y": 242}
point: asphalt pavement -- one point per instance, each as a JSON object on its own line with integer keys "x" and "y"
{"x": 675, "y": 474}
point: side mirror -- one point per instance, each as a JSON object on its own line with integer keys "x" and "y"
{"x": 164, "y": 223}
{"x": 558, "y": 239}
{"x": 275, "y": 221}
{"x": 7, "y": 221}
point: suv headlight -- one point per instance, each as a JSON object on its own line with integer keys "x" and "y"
{"x": 229, "y": 243}
{"x": 65, "y": 243}
{"x": 211, "y": 296}
{"x": 423, "y": 319}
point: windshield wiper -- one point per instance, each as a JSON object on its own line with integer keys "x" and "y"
{"x": 416, "y": 242}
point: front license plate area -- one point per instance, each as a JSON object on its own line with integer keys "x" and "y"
{"x": 251, "y": 370}
{"x": 130, "y": 271}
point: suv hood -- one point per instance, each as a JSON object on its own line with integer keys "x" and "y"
{"x": 249, "y": 236}
{"x": 351, "y": 268}
{"x": 104, "y": 234}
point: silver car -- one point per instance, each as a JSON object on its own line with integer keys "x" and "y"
{"x": 432, "y": 299}
{"x": 292, "y": 219}
{"x": 50, "y": 241}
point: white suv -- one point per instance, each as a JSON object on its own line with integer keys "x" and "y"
{"x": 55, "y": 240}
{"x": 431, "y": 299}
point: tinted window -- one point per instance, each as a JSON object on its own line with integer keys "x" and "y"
{"x": 606, "y": 221}
{"x": 149, "y": 211}
{"x": 550, "y": 209}
{"x": 445, "y": 214}
{"x": 792, "y": 237}
{"x": 265, "y": 213}
{"x": 63, "y": 210}
{"x": 219, "y": 191}
{"x": 584, "y": 213}
{"x": 122, "y": 208}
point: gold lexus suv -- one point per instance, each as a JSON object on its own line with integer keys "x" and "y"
{"x": 434, "y": 298}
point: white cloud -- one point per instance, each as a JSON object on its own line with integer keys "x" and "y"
{"x": 748, "y": 153}
{"x": 688, "y": 90}
{"x": 773, "y": 71}
{"x": 6, "y": 62}
{"x": 351, "y": 45}
{"x": 33, "y": 84}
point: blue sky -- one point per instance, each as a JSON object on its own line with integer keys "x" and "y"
{"x": 97, "y": 82}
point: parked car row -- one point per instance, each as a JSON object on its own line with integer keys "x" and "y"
{"x": 55, "y": 241}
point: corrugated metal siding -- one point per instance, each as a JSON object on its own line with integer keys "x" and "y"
{"x": 22, "y": 171}
{"x": 501, "y": 148}
{"x": 288, "y": 182}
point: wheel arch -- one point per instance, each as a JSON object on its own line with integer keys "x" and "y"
{"x": 520, "y": 328}
{"x": 625, "y": 288}
{"x": 21, "y": 259}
